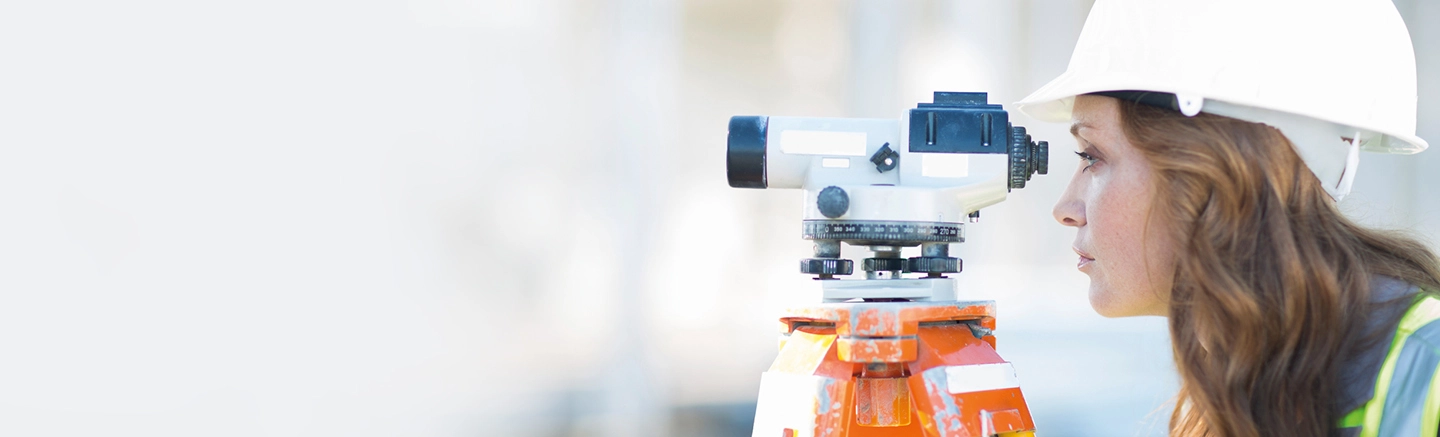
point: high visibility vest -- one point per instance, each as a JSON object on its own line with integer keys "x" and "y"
{"x": 1407, "y": 390}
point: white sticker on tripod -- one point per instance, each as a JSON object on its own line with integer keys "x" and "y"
{"x": 980, "y": 377}
{"x": 816, "y": 142}
{"x": 835, "y": 162}
{"x": 944, "y": 165}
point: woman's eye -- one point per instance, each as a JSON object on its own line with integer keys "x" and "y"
{"x": 1088, "y": 158}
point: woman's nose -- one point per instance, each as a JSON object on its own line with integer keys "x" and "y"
{"x": 1069, "y": 210}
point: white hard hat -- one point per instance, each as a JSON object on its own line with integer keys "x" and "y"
{"x": 1317, "y": 70}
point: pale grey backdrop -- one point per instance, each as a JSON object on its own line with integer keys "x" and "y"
{"x": 501, "y": 218}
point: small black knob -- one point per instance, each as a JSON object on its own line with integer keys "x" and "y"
{"x": 885, "y": 159}
{"x": 833, "y": 202}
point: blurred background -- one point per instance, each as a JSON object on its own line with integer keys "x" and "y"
{"x": 503, "y": 218}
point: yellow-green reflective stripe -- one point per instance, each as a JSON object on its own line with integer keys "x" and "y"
{"x": 1354, "y": 418}
{"x": 1410, "y": 385}
{"x": 1430, "y": 419}
{"x": 1376, "y": 407}
{"x": 1419, "y": 314}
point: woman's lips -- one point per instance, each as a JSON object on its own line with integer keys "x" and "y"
{"x": 1085, "y": 259}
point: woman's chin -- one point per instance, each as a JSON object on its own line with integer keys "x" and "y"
{"x": 1107, "y": 303}
{"x": 1103, "y": 307}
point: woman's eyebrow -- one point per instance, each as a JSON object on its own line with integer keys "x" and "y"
{"x": 1075, "y": 127}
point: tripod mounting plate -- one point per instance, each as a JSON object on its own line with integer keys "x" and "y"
{"x": 918, "y": 289}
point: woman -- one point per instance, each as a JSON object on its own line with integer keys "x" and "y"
{"x": 1206, "y": 193}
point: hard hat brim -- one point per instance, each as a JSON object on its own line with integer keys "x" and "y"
{"x": 1054, "y": 102}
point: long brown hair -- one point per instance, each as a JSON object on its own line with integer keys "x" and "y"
{"x": 1270, "y": 275}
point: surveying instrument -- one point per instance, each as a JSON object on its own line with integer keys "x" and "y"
{"x": 895, "y": 353}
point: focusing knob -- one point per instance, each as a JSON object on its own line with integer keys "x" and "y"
{"x": 1027, "y": 157}
{"x": 826, "y": 266}
{"x": 1019, "y": 157}
{"x": 833, "y": 202}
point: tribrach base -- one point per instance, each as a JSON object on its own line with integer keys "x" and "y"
{"x": 890, "y": 369}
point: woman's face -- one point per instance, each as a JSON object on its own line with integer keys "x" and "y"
{"x": 1121, "y": 244}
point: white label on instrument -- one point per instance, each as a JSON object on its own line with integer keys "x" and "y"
{"x": 789, "y": 401}
{"x": 835, "y": 162}
{"x": 980, "y": 377}
{"x": 814, "y": 142}
{"x": 944, "y": 165}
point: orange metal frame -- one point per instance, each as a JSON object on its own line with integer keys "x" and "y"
{"x": 879, "y": 369}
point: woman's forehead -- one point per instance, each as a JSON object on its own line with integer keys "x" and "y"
{"x": 1094, "y": 112}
